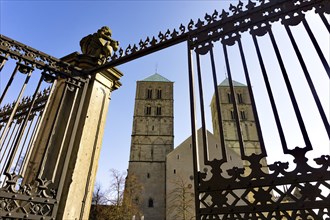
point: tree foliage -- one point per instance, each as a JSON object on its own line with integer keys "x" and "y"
{"x": 181, "y": 200}
{"x": 117, "y": 202}
{"x": 99, "y": 209}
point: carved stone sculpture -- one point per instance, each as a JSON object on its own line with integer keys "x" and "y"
{"x": 99, "y": 45}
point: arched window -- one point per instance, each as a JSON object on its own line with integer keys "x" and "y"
{"x": 159, "y": 94}
{"x": 151, "y": 203}
{"x": 229, "y": 97}
{"x": 159, "y": 110}
{"x": 243, "y": 115}
{"x": 232, "y": 115}
{"x": 239, "y": 98}
{"x": 149, "y": 93}
{"x": 148, "y": 110}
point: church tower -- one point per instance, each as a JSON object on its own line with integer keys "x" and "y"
{"x": 152, "y": 140}
{"x": 246, "y": 118}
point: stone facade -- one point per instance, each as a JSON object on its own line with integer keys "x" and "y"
{"x": 179, "y": 173}
{"x": 152, "y": 140}
{"x": 246, "y": 117}
{"x": 162, "y": 170}
{"x": 70, "y": 137}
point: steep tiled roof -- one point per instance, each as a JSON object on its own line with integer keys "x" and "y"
{"x": 226, "y": 83}
{"x": 156, "y": 78}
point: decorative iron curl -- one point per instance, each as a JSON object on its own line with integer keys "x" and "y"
{"x": 11, "y": 183}
{"x": 236, "y": 9}
{"x": 255, "y": 16}
{"x": 33, "y": 58}
{"x": 23, "y": 106}
{"x": 211, "y": 18}
{"x": 43, "y": 189}
{"x": 222, "y": 195}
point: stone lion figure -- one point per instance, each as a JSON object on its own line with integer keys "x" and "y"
{"x": 99, "y": 44}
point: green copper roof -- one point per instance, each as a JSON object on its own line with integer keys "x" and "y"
{"x": 226, "y": 83}
{"x": 156, "y": 78}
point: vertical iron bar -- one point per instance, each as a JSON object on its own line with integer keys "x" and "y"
{"x": 238, "y": 123}
{"x": 23, "y": 145}
{"x": 10, "y": 150}
{"x": 16, "y": 104}
{"x": 11, "y": 135}
{"x": 9, "y": 83}
{"x": 3, "y": 61}
{"x": 290, "y": 90}
{"x": 26, "y": 119}
{"x": 3, "y": 164}
{"x": 37, "y": 128}
{"x": 325, "y": 21}
{"x": 1, "y": 126}
{"x": 309, "y": 80}
{"x": 254, "y": 108}
{"x": 29, "y": 147}
{"x": 270, "y": 95}
{"x": 6, "y": 135}
{"x": 317, "y": 47}
{"x": 218, "y": 108}
{"x": 204, "y": 135}
{"x": 193, "y": 130}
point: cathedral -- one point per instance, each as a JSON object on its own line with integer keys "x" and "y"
{"x": 152, "y": 140}
{"x": 162, "y": 169}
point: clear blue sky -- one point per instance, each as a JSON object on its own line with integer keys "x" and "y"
{"x": 56, "y": 27}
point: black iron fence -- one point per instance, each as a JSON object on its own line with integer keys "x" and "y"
{"x": 28, "y": 92}
{"x": 296, "y": 191}
{"x": 292, "y": 189}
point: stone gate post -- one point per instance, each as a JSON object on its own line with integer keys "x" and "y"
{"x": 79, "y": 182}
{"x": 63, "y": 163}
{"x": 68, "y": 145}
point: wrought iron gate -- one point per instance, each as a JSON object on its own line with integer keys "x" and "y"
{"x": 22, "y": 124}
{"x": 301, "y": 193}
{"x": 283, "y": 193}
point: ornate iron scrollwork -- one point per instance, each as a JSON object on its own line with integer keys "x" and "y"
{"x": 31, "y": 57}
{"x": 294, "y": 189}
{"x": 25, "y": 201}
{"x": 279, "y": 194}
{"x": 255, "y": 16}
